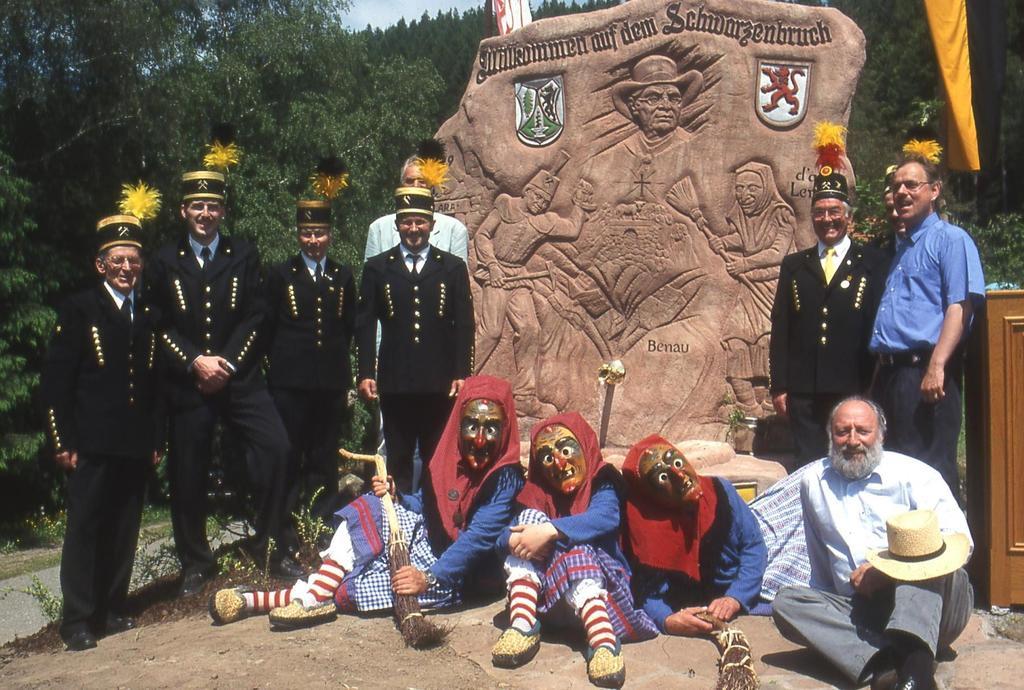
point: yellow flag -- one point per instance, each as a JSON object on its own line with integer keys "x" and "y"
{"x": 947, "y": 20}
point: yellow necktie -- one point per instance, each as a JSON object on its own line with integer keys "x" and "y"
{"x": 830, "y": 264}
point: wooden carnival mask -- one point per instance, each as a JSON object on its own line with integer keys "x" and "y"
{"x": 480, "y": 431}
{"x": 558, "y": 453}
{"x": 668, "y": 477}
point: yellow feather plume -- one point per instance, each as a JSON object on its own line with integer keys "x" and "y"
{"x": 829, "y": 134}
{"x": 141, "y": 201}
{"x": 433, "y": 171}
{"x": 221, "y": 156}
{"x": 929, "y": 149}
{"x": 329, "y": 186}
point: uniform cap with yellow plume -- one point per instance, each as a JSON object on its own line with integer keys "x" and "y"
{"x": 328, "y": 180}
{"x": 138, "y": 203}
{"x": 830, "y": 143}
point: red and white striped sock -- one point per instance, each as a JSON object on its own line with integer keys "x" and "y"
{"x": 522, "y": 604}
{"x": 264, "y": 602}
{"x": 597, "y": 624}
{"x": 325, "y": 582}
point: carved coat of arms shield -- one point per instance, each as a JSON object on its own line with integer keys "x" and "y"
{"x": 781, "y": 92}
{"x": 540, "y": 110}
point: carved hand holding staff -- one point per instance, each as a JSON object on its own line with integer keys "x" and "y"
{"x": 416, "y": 630}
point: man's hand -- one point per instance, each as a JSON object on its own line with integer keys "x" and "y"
{"x": 456, "y": 387}
{"x": 683, "y": 622}
{"x": 932, "y": 388}
{"x": 866, "y": 580}
{"x": 780, "y": 402}
{"x": 211, "y": 368}
{"x": 67, "y": 459}
{"x": 158, "y": 455}
{"x": 533, "y": 542}
{"x": 380, "y": 486}
{"x": 724, "y": 608}
{"x": 735, "y": 265}
{"x": 368, "y": 390}
{"x": 408, "y": 580}
{"x": 211, "y": 387}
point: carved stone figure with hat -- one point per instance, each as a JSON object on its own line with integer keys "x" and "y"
{"x": 105, "y": 424}
{"x": 886, "y": 543}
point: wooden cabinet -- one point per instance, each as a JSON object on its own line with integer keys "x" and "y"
{"x": 994, "y": 406}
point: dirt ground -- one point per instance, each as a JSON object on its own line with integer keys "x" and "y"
{"x": 176, "y": 646}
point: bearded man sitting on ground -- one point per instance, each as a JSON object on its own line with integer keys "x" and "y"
{"x": 865, "y": 615}
{"x": 453, "y": 522}
{"x": 694, "y": 545}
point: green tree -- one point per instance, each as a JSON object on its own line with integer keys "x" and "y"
{"x": 23, "y": 332}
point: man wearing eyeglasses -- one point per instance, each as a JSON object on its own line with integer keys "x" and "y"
{"x": 105, "y": 428}
{"x": 821, "y": 320}
{"x": 934, "y": 285}
{"x": 207, "y": 286}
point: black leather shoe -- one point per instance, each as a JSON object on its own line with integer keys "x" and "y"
{"x": 286, "y": 568}
{"x": 80, "y": 641}
{"x": 193, "y": 582}
{"x": 119, "y": 624}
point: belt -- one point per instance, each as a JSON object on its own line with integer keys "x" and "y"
{"x": 910, "y": 358}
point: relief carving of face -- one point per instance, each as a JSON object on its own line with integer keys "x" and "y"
{"x": 560, "y": 456}
{"x": 656, "y": 109}
{"x": 480, "y": 431}
{"x": 669, "y": 477}
{"x": 749, "y": 189}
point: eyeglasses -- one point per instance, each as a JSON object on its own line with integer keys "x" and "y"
{"x": 827, "y": 213}
{"x": 655, "y": 99}
{"x": 910, "y": 185}
{"x": 115, "y": 262}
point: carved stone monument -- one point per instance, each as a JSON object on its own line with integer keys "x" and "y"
{"x": 631, "y": 179}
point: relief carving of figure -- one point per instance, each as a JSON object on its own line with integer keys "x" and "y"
{"x": 636, "y": 263}
{"x": 508, "y": 272}
{"x": 760, "y": 226}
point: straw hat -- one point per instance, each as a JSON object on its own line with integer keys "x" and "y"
{"x": 917, "y": 549}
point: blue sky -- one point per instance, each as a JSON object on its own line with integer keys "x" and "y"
{"x": 382, "y": 13}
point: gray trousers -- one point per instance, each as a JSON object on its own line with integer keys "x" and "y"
{"x": 849, "y": 631}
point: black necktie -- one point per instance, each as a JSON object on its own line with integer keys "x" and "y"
{"x": 126, "y": 309}
{"x": 207, "y": 255}
{"x": 415, "y": 260}
{"x": 319, "y": 273}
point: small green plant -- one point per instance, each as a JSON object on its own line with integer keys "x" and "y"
{"x": 309, "y": 528}
{"x": 49, "y": 603}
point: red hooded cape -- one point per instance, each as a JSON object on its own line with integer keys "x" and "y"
{"x": 539, "y": 495}
{"x": 660, "y": 537}
{"x": 454, "y": 484}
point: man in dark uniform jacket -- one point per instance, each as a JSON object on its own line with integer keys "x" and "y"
{"x": 311, "y": 318}
{"x": 99, "y": 389}
{"x": 824, "y": 308}
{"x": 208, "y": 289}
{"x": 420, "y": 295}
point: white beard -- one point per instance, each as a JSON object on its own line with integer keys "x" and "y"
{"x": 855, "y": 468}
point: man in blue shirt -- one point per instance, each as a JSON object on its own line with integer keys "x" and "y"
{"x": 935, "y": 283}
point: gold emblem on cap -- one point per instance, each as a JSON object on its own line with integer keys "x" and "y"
{"x": 826, "y": 170}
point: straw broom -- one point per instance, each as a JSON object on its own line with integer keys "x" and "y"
{"x": 735, "y": 665}
{"x": 416, "y": 630}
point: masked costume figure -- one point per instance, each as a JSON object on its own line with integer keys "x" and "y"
{"x": 693, "y": 542}
{"x": 452, "y": 523}
{"x": 563, "y": 559}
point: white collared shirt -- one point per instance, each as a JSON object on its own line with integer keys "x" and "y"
{"x": 407, "y": 256}
{"x": 844, "y": 518}
{"x": 120, "y": 298}
{"x": 311, "y": 265}
{"x": 841, "y": 247}
{"x": 197, "y": 248}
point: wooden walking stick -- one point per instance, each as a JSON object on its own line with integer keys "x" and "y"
{"x": 416, "y": 630}
{"x": 735, "y": 665}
